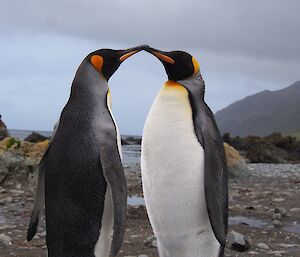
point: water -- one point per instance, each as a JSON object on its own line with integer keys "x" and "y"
{"x": 135, "y": 200}
{"x": 131, "y": 153}
{"x": 257, "y": 223}
{"x": 21, "y": 134}
{"x": 251, "y": 222}
{"x": 293, "y": 228}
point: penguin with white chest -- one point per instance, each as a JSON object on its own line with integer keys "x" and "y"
{"x": 81, "y": 178}
{"x": 183, "y": 164}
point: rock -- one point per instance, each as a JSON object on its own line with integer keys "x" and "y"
{"x": 151, "y": 241}
{"x": 276, "y": 216}
{"x": 4, "y": 239}
{"x": 253, "y": 252}
{"x": 238, "y": 242}
{"x": 17, "y": 192}
{"x": 281, "y": 210}
{"x": 277, "y": 253}
{"x": 42, "y": 234}
{"x": 3, "y": 130}
{"x": 295, "y": 210}
{"x": 289, "y": 245}
{"x": 263, "y": 246}
{"x": 131, "y": 140}
{"x": 6, "y": 200}
{"x": 236, "y": 164}
{"x": 263, "y": 152}
{"x": 276, "y": 223}
{"x": 35, "y": 137}
{"x": 278, "y": 199}
{"x": 143, "y": 255}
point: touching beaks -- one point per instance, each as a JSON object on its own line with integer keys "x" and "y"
{"x": 131, "y": 51}
{"x": 163, "y": 56}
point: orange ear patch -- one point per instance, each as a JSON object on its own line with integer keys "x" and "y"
{"x": 97, "y": 61}
{"x": 164, "y": 57}
{"x": 196, "y": 65}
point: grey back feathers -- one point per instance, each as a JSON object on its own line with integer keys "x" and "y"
{"x": 216, "y": 177}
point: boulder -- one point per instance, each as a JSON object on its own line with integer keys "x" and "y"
{"x": 261, "y": 152}
{"x": 35, "y": 137}
{"x": 238, "y": 242}
{"x": 235, "y": 163}
{"x": 3, "y": 130}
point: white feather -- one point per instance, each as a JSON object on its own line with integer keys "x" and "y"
{"x": 173, "y": 178}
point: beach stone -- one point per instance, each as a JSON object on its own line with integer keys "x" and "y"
{"x": 278, "y": 199}
{"x": 263, "y": 246}
{"x": 151, "y": 241}
{"x": 253, "y": 252}
{"x": 238, "y": 242}
{"x": 143, "y": 255}
{"x": 281, "y": 210}
{"x": 235, "y": 163}
{"x": 4, "y": 239}
{"x": 6, "y": 200}
{"x": 289, "y": 245}
{"x": 276, "y": 223}
{"x": 277, "y": 253}
{"x": 276, "y": 216}
{"x": 295, "y": 210}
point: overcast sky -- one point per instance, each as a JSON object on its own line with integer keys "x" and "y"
{"x": 243, "y": 47}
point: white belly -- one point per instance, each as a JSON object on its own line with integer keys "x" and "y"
{"x": 173, "y": 178}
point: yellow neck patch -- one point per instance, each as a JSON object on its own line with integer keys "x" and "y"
{"x": 97, "y": 62}
{"x": 196, "y": 65}
{"x": 171, "y": 84}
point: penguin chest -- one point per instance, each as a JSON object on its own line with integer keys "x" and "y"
{"x": 173, "y": 166}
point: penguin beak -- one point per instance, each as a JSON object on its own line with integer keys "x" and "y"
{"x": 162, "y": 56}
{"x": 130, "y": 51}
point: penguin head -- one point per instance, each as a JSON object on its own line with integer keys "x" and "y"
{"x": 107, "y": 61}
{"x": 178, "y": 64}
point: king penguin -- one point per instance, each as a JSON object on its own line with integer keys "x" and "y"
{"x": 183, "y": 164}
{"x": 81, "y": 178}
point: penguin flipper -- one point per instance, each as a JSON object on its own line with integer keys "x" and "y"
{"x": 39, "y": 200}
{"x": 215, "y": 175}
{"x": 115, "y": 177}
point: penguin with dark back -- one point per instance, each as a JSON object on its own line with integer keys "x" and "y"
{"x": 80, "y": 174}
{"x": 184, "y": 170}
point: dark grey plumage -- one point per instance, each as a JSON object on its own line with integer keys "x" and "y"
{"x": 215, "y": 176}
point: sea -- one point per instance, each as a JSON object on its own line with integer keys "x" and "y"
{"x": 131, "y": 153}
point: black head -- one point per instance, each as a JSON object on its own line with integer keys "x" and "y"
{"x": 178, "y": 64}
{"x": 107, "y": 61}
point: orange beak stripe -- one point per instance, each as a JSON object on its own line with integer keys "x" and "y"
{"x": 164, "y": 57}
{"x": 125, "y": 56}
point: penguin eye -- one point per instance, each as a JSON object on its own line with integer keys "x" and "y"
{"x": 97, "y": 61}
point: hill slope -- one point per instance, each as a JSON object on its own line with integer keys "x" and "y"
{"x": 263, "y": 113}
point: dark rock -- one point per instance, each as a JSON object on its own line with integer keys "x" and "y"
{"x": 266, "y": 153}
{"x": 238, "y": 242}
{"x": 35, "y": 137}
{"x": 3, "y": 130}
{"x": 151, "y": 241}
{"x": 131, "y": 140}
